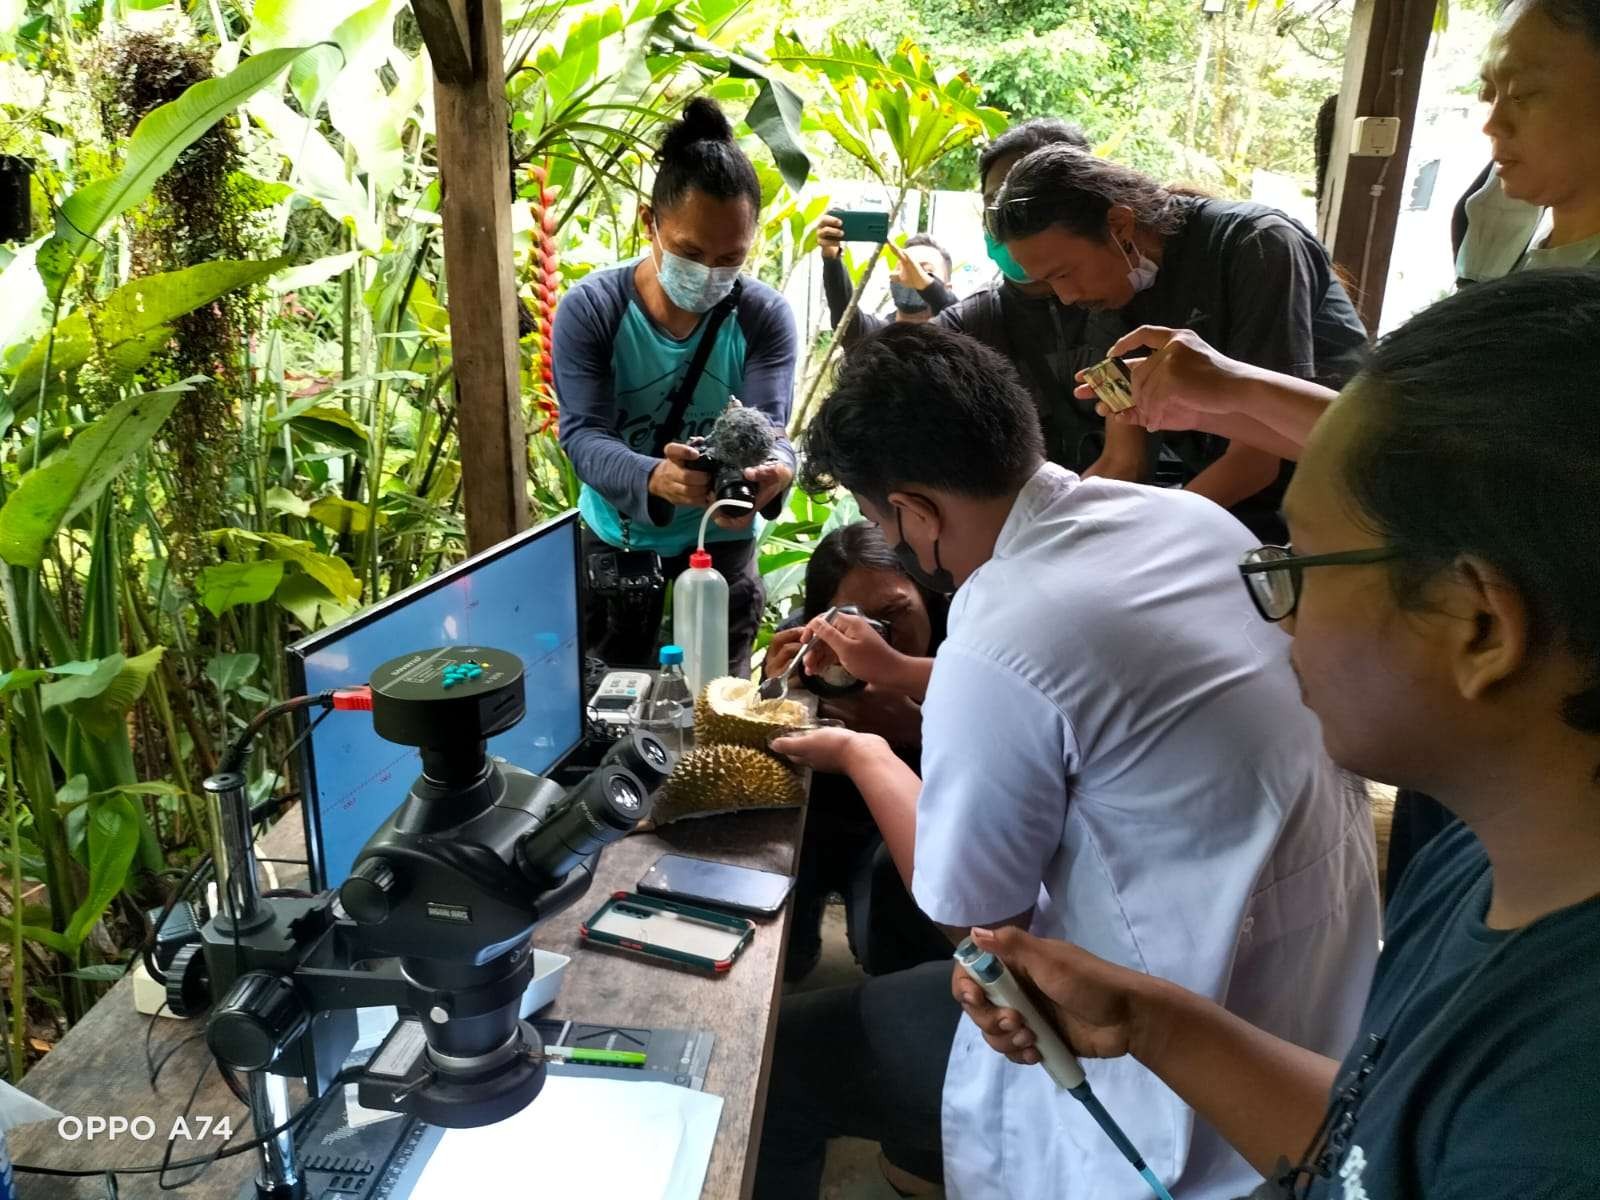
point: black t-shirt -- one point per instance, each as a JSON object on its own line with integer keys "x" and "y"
{"x": 1487, "y": 1085}
{"x": 1046, "y": 341}
{"x": 1258, "y": 286}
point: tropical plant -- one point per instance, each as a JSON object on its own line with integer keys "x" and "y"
{"x": 227, "y": 411}
{"x": 899, "y": 117}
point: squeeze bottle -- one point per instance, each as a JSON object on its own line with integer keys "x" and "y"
{"x": 700, "y": 611}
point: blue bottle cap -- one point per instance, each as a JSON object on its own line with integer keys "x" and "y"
{"x": 671, "y": 656}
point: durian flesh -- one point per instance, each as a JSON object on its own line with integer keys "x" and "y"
{"x": 731, "y": 712}
{"x": 719, "y": 779}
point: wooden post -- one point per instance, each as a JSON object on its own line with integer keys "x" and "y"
{"x": 475, "y": 179}
{"x": 1361, "y": 204}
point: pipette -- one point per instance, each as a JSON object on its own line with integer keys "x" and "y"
{"x": 989, "y": 973}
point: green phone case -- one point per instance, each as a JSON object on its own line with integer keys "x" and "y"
{"x": 736, "y": 932}
{"x": 863, "y": 225}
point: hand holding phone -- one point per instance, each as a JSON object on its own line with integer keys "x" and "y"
{"x": 862, "y": 225}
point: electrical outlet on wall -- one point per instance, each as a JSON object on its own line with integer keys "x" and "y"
{"x": 1375, "y": 137}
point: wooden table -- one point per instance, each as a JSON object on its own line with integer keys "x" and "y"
{"x": 99, "y": 1067}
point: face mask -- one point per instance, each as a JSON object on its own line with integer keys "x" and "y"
{"x": 939, "y": 581}
{"x": 692, "y": 286}
{"x": 1141, "y": 274}
{"x": 1001, "y": 257}
{"x": 906, "y": 298}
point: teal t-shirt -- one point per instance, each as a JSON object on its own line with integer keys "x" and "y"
{"x": 615, "y": 373}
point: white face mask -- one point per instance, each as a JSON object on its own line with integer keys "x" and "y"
{"x": 692, "y": 286}
{"x": 1141, "y": 274}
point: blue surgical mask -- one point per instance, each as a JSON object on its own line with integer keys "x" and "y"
{"x": 906, "y": 298}
{"x": 1001, "y": 257}
{"x": 1141, "y": 274}
{"x": 692, "y": 286}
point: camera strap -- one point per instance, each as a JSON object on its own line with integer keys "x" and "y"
{"x": 672, "y": 428}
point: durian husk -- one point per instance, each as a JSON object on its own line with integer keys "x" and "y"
{"x": 720, "y": 779}
{"x": 730, "y": 712}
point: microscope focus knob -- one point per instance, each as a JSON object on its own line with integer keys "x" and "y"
{"x": 258, "y": 1019}
{"x": 188, "y": 984}
{"x": 368, "y": 894}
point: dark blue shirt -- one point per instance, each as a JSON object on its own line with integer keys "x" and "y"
{"x": 1487, "y": 1086}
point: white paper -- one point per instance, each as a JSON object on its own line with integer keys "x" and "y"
{"x": 599, "y": 1139}
{"x": 19, "y": 1108}
{"x": 355, "y": 1115}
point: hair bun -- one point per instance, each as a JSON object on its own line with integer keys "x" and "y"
{"x": 702, "y": 121}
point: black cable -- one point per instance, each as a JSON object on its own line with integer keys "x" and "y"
{"x": 148, "y": 952}
{"x": 259, "y": 813}
{"x": 163, "y": 1060}
{"x": 306, "y": 1113}
{"x": 166, "y": 1153}
{"x": 234, "y": 1086}
{"x": 233, "y": 759}
{"x": 152, "y": 1064}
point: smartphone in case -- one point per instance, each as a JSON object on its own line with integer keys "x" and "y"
{"x": 863, "y": 225}
{"x": 701, "y": 881}
{"x": 650, "y": 927}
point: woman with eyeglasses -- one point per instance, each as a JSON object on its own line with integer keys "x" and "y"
{"x": 1441, "y": 592}
{"x": 842, "y": 850}
{"x": 1250, "y": 280}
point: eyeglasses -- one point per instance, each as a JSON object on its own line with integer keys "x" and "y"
{"x": 1272, "y": 574}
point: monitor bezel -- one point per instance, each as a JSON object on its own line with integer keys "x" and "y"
{"x": 299, "y": 651}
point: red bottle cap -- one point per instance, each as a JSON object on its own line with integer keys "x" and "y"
{"x": 699, "y": 560}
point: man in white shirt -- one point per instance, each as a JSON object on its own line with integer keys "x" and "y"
{"x": 1114, "y": 754}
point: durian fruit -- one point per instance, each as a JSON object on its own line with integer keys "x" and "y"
{"x": 731, "y": 712}
{"x": 720, "y": 779}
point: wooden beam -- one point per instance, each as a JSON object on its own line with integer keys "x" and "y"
{"x": 1383, "y": 78}
{"x": 444, "y": 30}
{"x": 475, "y": 178}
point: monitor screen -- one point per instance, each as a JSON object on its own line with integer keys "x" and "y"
{"x": 520, "y": 596}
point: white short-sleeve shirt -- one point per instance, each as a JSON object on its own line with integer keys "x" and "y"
{"x": 1114, "y": 739}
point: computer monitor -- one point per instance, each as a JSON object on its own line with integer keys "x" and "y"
{"x": 521, "y": 596}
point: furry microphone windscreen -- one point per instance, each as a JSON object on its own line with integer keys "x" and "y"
{"x": 742, "y": 437}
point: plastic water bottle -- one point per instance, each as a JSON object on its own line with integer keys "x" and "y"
{"x": 671, "y": 692}
{"x": 700, "y": 621}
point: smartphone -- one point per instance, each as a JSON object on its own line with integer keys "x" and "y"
{"x": 863, "y": 225}
{"x": 701, "y": 881}
{"x": 680, "y": 934}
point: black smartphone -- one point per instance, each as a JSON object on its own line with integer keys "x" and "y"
{"x": 701, "y": 881}
{"x": 863, "y": 225}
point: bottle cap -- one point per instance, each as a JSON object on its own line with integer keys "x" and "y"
{"x": 699, "y": 560}
{"x": 671, "y": 656}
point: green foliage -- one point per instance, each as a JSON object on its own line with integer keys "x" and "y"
{"x": 101, "y": 701}
{"x": 156, "y": 143}
{"x": 74, "y": 478}
{"x": 163, "y": 541}
{"x": 126, "y": 328}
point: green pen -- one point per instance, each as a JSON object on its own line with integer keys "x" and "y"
{"x": 611, "y": 1058}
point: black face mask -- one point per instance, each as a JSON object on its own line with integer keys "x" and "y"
{"x": 939, "y": 581}
{"x": 906, "y": 298}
